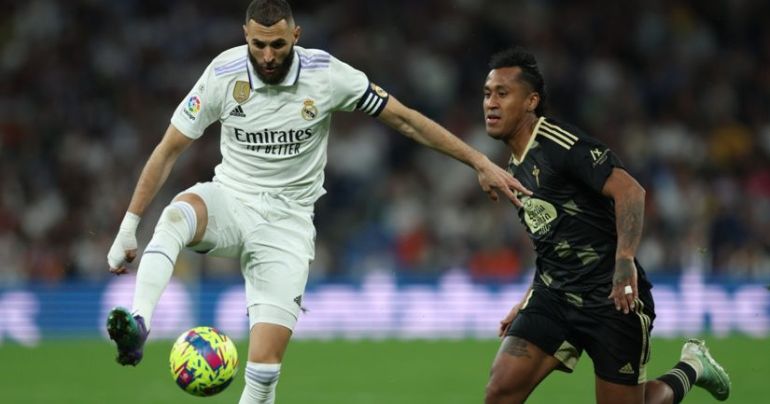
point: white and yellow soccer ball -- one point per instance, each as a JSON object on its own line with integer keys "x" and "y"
{"x": 203, "y": 361}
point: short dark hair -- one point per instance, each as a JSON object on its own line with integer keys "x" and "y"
{"x": 269, "y": 12}
{"x": 530, "y": 73}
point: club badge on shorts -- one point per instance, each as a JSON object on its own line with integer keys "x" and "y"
{"x": 309, "y": 111}
{"x": 241, "y": 91}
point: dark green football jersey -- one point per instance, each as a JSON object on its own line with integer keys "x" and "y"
{"x": 570, "y": 222}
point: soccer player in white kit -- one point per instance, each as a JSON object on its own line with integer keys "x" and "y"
{"x": 274, "y": 101}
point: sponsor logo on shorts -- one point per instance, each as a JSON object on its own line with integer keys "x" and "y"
{"x": 627, "y": 369}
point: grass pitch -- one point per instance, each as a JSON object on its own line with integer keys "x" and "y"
{"x": 340, "y": 372}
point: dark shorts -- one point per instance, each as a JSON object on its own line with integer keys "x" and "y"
{"x": 618, "y": 344}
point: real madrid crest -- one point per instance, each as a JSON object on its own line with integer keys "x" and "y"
{"x": 241, "y": 91}
{"x": 309, "y": 111}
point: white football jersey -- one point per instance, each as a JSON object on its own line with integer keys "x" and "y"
{"x": 274, "y": 137}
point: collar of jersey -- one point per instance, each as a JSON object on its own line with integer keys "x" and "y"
{"x": 291, "y": 77}
{"x": 529, "y": 143}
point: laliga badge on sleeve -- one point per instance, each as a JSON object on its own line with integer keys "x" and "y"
{"x": 241, "y": 91}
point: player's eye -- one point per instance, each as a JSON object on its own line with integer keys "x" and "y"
{"x": 259, "y": 45}
{"x": 278, "y": 44}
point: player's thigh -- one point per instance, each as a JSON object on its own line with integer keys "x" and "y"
{"x": 518, "y": 367}
{"x": 618, "y": 343}
{"x": 613, "y": 393}
{"x": 542, "y": 322}
{"x": 219, "y": 233}
{"x": 538, "y": 341}
{"x": 275, "y": 262}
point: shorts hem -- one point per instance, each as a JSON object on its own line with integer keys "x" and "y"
{"x": 618, "y": 380}
{"x": 271, "y": 314}
{"x": 562, "y": 365}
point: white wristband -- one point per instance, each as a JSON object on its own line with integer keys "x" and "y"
{"x": 130, "y": 222}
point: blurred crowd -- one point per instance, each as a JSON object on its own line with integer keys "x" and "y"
{"x": 679, "y": 89}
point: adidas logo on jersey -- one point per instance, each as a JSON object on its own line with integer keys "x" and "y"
{"x": 627, "y": 369}
{"x": 238, "y": 111}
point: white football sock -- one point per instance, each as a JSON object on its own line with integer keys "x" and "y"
{"x": 261, "y": 379}
{"x": 175, "y": 229}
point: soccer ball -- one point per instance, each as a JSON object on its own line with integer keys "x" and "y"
{"x": 203, "y": 361}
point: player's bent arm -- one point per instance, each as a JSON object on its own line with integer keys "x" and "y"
{"x": 157, "y": 169}
{"x": 629, "y": 211}
{"x": 629, "y": 216}
{"x": 424, "y": 130}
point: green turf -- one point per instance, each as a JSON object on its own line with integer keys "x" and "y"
{"x": 336, "y": 372}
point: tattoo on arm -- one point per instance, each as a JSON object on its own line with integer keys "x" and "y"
{"x": 624, "y": 272}
{"x": 630, "y": 217}
{"x": 516, "y": 346}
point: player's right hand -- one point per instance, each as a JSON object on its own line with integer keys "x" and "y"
{"x": 123, "y": 250}
{"x": 506, "y": 322}
{"x": 493, "y": 179}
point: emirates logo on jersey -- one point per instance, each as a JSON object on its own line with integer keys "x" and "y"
{"x": 309, "y": 111}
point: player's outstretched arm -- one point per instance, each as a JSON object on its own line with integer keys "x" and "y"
{"x": 417, "y": 126}
{"x": 154, "y": 174}
{"x": 629, "y": 217}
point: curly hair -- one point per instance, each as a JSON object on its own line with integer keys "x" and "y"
{"x": 530, "y": 73}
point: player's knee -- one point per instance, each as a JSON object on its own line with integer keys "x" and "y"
{"x": 178, "y": 220}
{"x": 495, "y": 392}
{"x": 504, "y": 391}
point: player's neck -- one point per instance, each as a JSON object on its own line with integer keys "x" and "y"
{"x": 521, "y": 135}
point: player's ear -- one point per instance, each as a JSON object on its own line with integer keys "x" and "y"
{"x": 245, "y": 33}
{"x": 297, "y": 32}
{"x": 533, "y": 101}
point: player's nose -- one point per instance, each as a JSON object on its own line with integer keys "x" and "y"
{"x": 490, "y": 103}
{"x": 268, "y": 55}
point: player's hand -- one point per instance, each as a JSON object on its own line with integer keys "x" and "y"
{"x": 123, "y": 250}
{"x": 493, "y": 179}
{"x": 624, "y": 280}
{"x": 506, "y": 322}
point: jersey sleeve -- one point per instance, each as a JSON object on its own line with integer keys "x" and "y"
{"x": 352, "y": 90}
{"x": 200, "y": 108}
{"x": 591, "y": 162}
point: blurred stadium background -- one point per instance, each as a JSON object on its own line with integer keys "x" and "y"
{"x": 414, "y": 266}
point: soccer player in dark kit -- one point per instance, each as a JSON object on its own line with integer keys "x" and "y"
{"x": 589, "y": 293}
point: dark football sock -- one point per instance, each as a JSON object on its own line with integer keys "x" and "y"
{"x": 680, "y": 379}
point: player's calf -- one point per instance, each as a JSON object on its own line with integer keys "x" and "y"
{"x": 175, "y": 228}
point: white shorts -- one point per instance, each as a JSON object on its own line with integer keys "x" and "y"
{"x": 274, "y": 239}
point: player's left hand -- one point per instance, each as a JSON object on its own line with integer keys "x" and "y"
{"x": 624, "y": 277}
{"x": 492, "y": 179}
{"x": 123, "y": 250}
